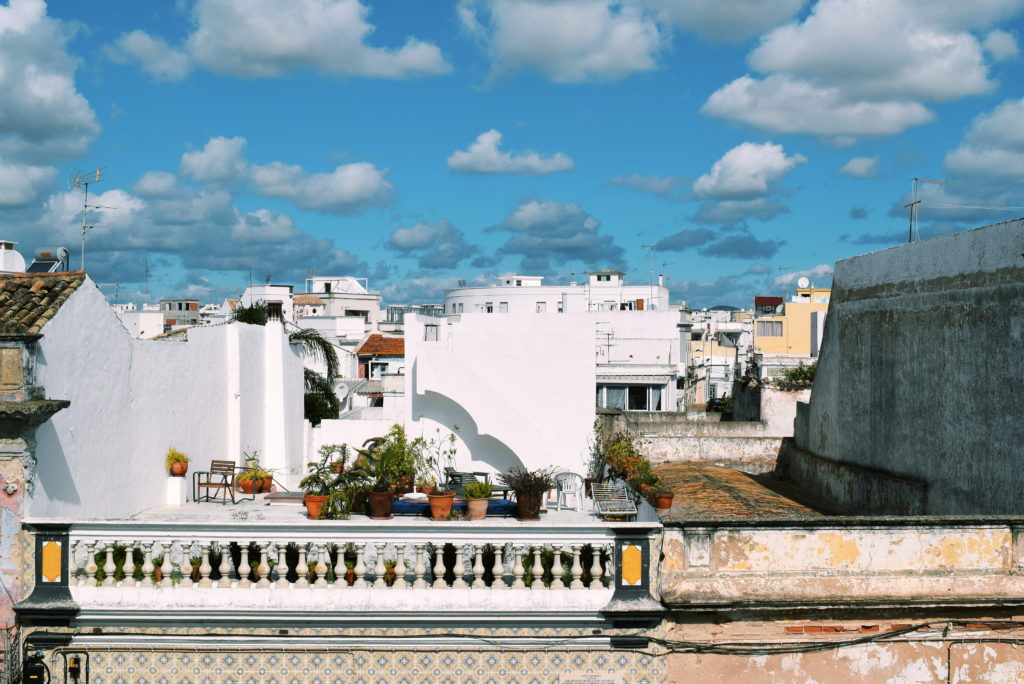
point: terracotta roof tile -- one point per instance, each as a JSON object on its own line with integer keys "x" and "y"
{"x": 29, "y": 300}
{"x": 707, "y": 491}
{"x": 308, "y": 300}
{"x": 382, "y": 346}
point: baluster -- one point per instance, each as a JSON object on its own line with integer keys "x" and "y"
{"x": 301, "y": 568}
{"x": 282, "y": 565}
{"x": 360, "y": 569}
{"x": 128, "y": 567}
{"x": 400, "y": 568}
{"x": 439, "y": 582}
{"x": 264, "y": 567}
{"x": 165, "y": 564}
{"x": 224, "y": 568}
{"x": 243, "y": 568}
{"x": 556, "y": 568}
{"x": 609, "y": 567}
{"x": 205, "y": 568}
{"x": 420, "y": 569}
{"x": 90, "y": 565}
{"x": 73, "y": 563}
{"x": 186, "y": 565}
{"x": 460, "y": 569}
{"x": 518, "y": 570}
{"x": 537, "y": 569}
{"x": 478, "y": 569}
{"x": 378, "y": 568}
{"x": 498, "y": 568}
{"x": 108, "y": 565}
{"x": 337, "y": 566}
{"x": 577, "y": 569}
{"x": 595, "y": 568}
{"x": 321, "y": 567}
{"x": 147, "y": 563}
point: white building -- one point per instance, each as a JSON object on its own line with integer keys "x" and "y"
{"x": 346, "y": 296}
{"x": 602, "y": 291}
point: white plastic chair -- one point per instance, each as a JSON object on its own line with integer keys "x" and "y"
{"x": 569, "y": 484}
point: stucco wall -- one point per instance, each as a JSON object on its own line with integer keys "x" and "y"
{"x": 920, "y": 372}
{"x": 519, "y": 387}
{"x": 132, "y": 399}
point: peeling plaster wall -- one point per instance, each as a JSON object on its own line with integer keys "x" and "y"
{"x": 132, "y": 399}
{"x": 920, "y": 375}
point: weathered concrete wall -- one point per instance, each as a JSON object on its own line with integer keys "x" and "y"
{"x": 920, "y": 372}
{"x": 749, "y": 446}
{"x": 835, "y": 562}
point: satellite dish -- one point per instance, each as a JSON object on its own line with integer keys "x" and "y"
{"x": 803, "y": 282}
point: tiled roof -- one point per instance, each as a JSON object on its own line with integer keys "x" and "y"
{"x": 29, "y": 300}
{"x": 382, "y": 346}
{"x": 707, "y": 491}
{"x": 308, "y": 300}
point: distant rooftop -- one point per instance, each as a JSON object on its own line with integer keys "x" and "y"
{"x": 382, "y": 346}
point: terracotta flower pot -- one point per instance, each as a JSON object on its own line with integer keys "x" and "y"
{"x": 528, "y": 505}
{"x": 313, "y": 504}
{"x": 441, "y": 505}
{"x": 379, "y": 505}
{"x": 262, "y": 485}
{"x": 477, "y": 508}
{"x": 179, "y": 468}
{"x": 425, "y": 489}
{"x": 663, "y": 502}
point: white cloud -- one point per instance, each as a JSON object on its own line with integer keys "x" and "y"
{"x": 219, "y": 160}
{"x": 43, "y": 117}
{"x": 861, "y": 167}
{"x": 735, "y": 211}
{"x": 261, "y": 38}
{"x": 263, "y": 226}
{"x": 438, "y": 245}
{"x": 569, "y": 41}
{"x": 747, "y": 171}
{"x": 663, "y": 186}
{"x": 816, "y": 274}
{"x": 484, "y": 156}
{"x": 1001, "y": 45}
{"x": 993, "y": 146}
{"x": 547, "y": 231}
{"x": 349, "y": 189}
{"x": 156, "y": 184}
{"x": 154, "y": 55}
{"x": 785, "y": 105}
{"x": 863, "y": 67}
{"x": 21, "y": 184}
{"x": 726, "y": 20}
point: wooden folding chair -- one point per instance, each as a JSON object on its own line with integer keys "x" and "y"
{"x": 220, "y": 476}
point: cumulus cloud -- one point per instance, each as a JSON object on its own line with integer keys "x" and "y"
{"x": 662, "y": 186}
{"x": 266, "y": 38}
{"x": 158, "y": 59}
{"x": 569, "y": 41}
{"x": 43, "y": 117}
{"x": 735, "y": 211}
{"x": 816, "y": 274}
{"x": 746, "y": 171}
{"x": 726, "y": 20}
{"x": 1001, "y": 45}
{"x": 349, "y": 189}
{"x": 742, "y": 246}
{"x": 21, "y": 184}
{"x": 993, "y": 146}
{"x": 219, "y": 160}
{"x": 685, "y": 239}
{"x": 420, "y": 289}
{"x": 156, "y": 184}
{"x": 548, "y": 231}
{"x": 484, "y": 156}
{"x": 861, "y": 67}
{"x": 860, "y": 167}
{"x": 437, "y": 245}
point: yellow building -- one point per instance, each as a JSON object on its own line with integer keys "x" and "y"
{"x": 793, "y": 328}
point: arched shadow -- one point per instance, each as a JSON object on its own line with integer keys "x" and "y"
{"x": 448, "y": 412}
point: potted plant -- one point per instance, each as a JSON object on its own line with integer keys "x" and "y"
{"x": 478, "y": 495}
{"x": 530, "y": 488}
{"x": 441, "y": 501}
{"x": 176, "y": 462}
{"x": 662, "y": 499}
{"x": 425, "y": 485}
{"x": 322, "y": 480}
{"x": 254, "y": 477}
{"x": 383, "y": 468}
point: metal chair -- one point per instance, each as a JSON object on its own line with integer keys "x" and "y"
{"x": 569, "y": 485}
{"x": 221, "y": 475}
{"x": 611, "y": 500}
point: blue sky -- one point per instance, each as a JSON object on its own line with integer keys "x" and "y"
{"x": 730, "y": 143}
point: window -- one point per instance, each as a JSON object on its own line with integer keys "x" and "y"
{"x": 541, "y": 307}
{"x": 430, "y": 333}
{"x": 561, "y": 307}
{"x": 274, "y": 311}
{"x": 489, "y": 307}
{"x": 502, "y": 307}
{"x": 376, "y": 400}
{"x": 637, "y": 397}
{"x": 605, "y": 278}
{"x": 769, "y": 328}
{"x": 327, "y": 288}
{"x": 630, "y": 397}
{"x": 519, "y": 283}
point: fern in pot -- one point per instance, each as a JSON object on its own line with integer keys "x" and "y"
{"x": 530, "y": 488}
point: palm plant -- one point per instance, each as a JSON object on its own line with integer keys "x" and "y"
{"x": 320, "y": 400}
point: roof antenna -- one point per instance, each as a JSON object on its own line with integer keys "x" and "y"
{"x": 83, "y": 181}
{"x": 913, "y": 206}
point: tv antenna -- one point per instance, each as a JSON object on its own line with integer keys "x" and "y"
{"x": 82, "y": 181}
{"x": 650, "y": 273}
{"x": 913, "y": 206}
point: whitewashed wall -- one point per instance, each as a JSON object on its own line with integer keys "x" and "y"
{"x": 132, "y": 399}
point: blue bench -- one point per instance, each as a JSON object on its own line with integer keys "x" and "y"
{"x": 496, "y": 507}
